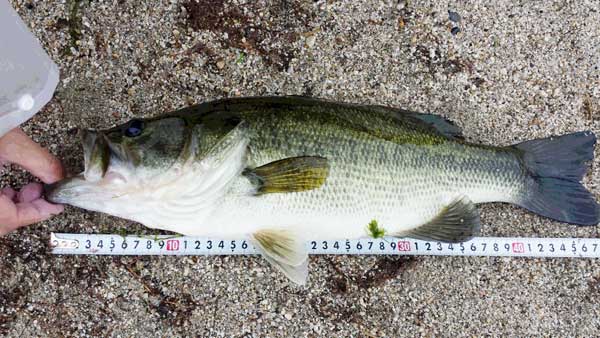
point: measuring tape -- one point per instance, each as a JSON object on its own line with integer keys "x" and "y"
{"x": 87, "y": 244}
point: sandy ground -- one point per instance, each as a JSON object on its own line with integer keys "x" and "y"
{"x": 510, "y": 72}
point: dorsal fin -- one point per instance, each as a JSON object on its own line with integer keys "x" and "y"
{"x": 441, "y": 124}
{"x": 438, "y": 123}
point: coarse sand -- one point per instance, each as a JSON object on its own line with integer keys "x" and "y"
{"x": 504, "y": 71}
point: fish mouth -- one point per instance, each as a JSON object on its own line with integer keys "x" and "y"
{"x": 80, "y": 192}
{"x": 96, "y": 155}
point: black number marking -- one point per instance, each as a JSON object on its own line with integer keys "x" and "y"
{"x": 137, "y": 242}
{"x": 358, "y": 246}
{"x": 100, "y": 244}
{"x": 244, "y": 245}
{"x": 161, "y": 243}
{"x": 370, "y": 245}
{"x": 324, "y": 245}
{"x": 149, "y": 245}
{"x": 314, "y": 245}
{"x": 209, "y": 246}
{"x": 88, "y": 244}
{"x": 427, "y": 246}
{"x": 221, "y": 245}
{"x": 232, "y": 246}
{"x": 551, "y": 247}
{"x": 348, "y": 246}
{"x": 124, "y": 245}
{"x": 336, "y": 245}
{"x": 112, "y": 244}
{"x": 439, "y": 246}
{"x": 540, "y": 247}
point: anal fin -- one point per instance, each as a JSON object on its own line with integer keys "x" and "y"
{"x": 457, "y": 222}
{"x": 285, "y": 250}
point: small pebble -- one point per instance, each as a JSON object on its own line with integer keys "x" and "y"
{"x": 310, "y": 41}
{"x": 455, "y": 30}
{"x": 454, "y": 16}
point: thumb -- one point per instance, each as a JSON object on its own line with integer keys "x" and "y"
{"x": 16, "y": 147}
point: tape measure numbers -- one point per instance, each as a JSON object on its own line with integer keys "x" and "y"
{"x": 89, "y": 244}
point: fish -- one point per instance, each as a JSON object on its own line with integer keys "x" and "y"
{"x": 281, "y": 170}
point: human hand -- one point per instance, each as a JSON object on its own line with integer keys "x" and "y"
{"x": 27, "y": 206}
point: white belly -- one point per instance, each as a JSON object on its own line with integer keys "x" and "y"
{"x": 312, "y": 214}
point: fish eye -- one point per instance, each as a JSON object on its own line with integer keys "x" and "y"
{"x": 134, "y": 128}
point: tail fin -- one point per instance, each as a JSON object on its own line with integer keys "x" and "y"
{"x": 556, "y": 166}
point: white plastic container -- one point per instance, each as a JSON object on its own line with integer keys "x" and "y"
{"x": 28, "y": 77}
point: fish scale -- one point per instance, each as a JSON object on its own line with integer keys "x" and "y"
{"x": 401, "y": 185}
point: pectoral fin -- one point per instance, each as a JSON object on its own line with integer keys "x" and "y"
{"x": 285, "y": 250}
{"x": 457, "y": 222}
{"x": 289, "y": 175}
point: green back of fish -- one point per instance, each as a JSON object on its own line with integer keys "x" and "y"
{"x": 303, "y": 114}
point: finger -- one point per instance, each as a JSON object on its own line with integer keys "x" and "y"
{"x": 8, "y": 192}
{"x": 17, "y": 147}
{"x": 14, "y": 216}
{"x": 35, "y": 211}
{"x": 47, "y": 208}
{"x": 8, "y": 212}
{"x": 29, "y": 193}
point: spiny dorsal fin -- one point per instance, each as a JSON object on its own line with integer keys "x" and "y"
{"x": 457, "y": 222}
{"x": 289, "y": 175}
{"x": 285, "y": 250}
{"x": 441, "y": 124}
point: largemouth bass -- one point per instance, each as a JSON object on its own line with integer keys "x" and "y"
{"x": 280, "y": 170}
